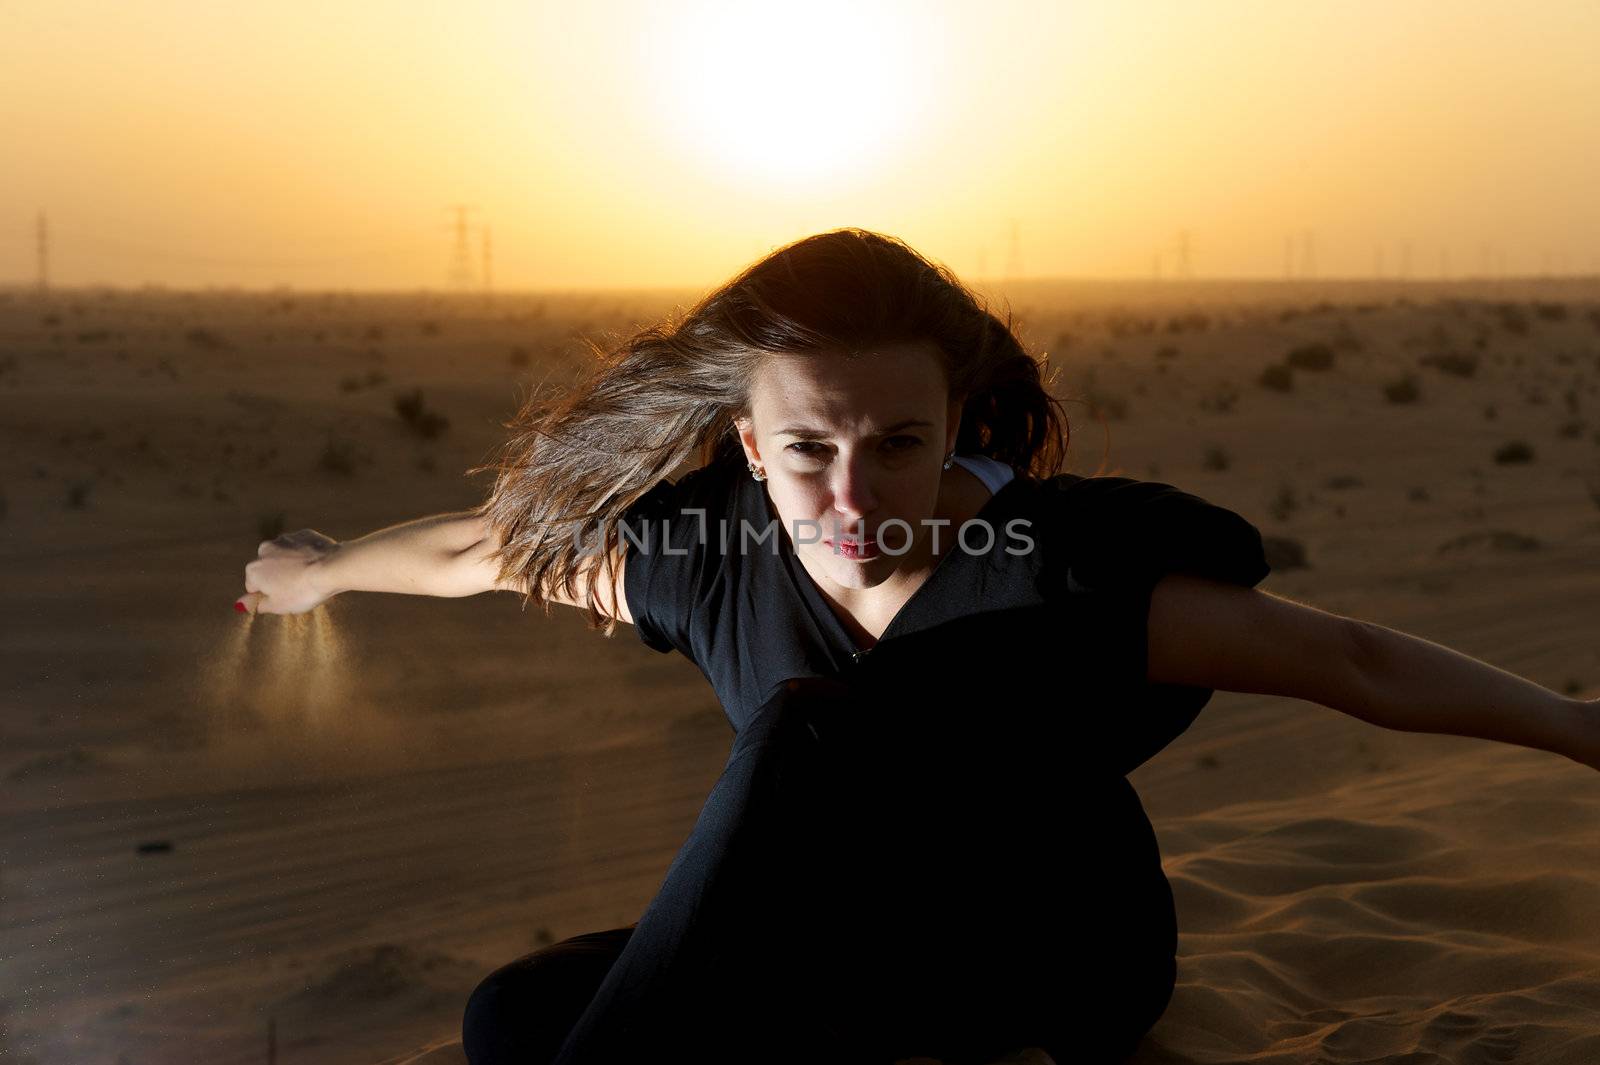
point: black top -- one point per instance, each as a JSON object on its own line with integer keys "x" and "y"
{"x": 1048, "y": 624}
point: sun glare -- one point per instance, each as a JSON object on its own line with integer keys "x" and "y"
{"x": 794, "y": 96}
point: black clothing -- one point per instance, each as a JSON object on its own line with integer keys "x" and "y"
{"x": 754, "y": 620}
{"x": 929, "y": 847}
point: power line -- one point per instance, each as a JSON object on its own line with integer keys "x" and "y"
{"x": 139, "y": 250}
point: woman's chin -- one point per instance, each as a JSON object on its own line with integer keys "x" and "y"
{"x": 850, "y": 572}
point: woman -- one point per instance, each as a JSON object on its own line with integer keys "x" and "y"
{"x": 940, "y": 657}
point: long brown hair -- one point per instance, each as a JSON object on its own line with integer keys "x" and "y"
{"x": 577, "y": 459}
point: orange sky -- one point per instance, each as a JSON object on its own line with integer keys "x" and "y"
{"x": 608, "y": 143}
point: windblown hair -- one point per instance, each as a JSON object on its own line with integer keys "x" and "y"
{"x": 577, "y": 459}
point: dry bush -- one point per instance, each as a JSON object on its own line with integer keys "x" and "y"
{"x": 1314, "y": 356}
{"x": 1514, "y": 451}
{"x": 338, "y": 457}
{"x": 1278, "y": 377}
{"x": 207, "y": 340}
{"x": 1284, "y": 502}
{"x": 1453, "y": 363}
{"x": 1403, "y": 390}
{"x": 413, "y": 411}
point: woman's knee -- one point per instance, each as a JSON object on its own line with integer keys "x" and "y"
{"x": 521, "y": 1013}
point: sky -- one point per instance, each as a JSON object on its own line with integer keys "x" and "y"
{"x": 328, "y": 144}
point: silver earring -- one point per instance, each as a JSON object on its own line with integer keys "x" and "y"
{"x": 950, "y": 460}
{"x": 755, "y": 471}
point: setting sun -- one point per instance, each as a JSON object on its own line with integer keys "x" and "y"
{"x": 792, "y": 97}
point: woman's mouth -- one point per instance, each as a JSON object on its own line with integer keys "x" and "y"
{"x": 856, "y": 549}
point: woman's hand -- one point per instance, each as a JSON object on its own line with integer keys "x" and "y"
{"x": 284, "y": 579}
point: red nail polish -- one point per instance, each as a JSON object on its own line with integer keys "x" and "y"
{"x": 240, "y": 607}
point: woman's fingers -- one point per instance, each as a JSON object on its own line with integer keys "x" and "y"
{"x": 248, "y": 603}
{"x": 290, "y": 542}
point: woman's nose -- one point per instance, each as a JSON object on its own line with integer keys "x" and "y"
{"x": 853, "y": 494}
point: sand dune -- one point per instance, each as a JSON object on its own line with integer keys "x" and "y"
{"x": 336, "y": 825}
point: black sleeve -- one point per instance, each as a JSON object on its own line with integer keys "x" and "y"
{"x": 670, "y": 537}
{"x": 1119, "y": 537}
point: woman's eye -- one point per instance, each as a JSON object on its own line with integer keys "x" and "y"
{"x": 814, "y": 449}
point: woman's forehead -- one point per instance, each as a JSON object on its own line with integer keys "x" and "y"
{"x": 884, "y": 386}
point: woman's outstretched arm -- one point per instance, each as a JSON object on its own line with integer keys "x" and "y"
{"x": 1217, "y": 635}
{"x": 448, "y": 555}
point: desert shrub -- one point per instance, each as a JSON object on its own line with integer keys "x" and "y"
{"x": 1284, "y": 502}
{"x": 1550, "y": 312}
{"x": 1418, "y": 494}
{"x": 429, "y": 328}
{"x": 1315, "y": 356}
{"x": 338, "y": 457}
{"x": 1490, "y": 412}
{"x": 519, "y": 356}
{"x": 374, "y": 332}
{"x": 1216, "y": 458}
{"x": 1493, "y": 539}
{"x": 78, "y": 494}
{"x": 413, "y": 411}
{"x": 349, "y": 384}
{"x": 1570, "y": 430}
{"x": 1221, "y": 401}
{"x": 205, "y": 338}
{"x": 1453, "y": 363}
{"x": 1113, "y": 406}
{"x": 1278, "y": 377}
{"x": 1403, "y": 390}
{"x": 1167, "y": 351}
{"x": 1340, "y": 481}
{"x": 1284, "y": 553}
{"x": 1514, "y": 451}
{"x": 1513, "y": 319}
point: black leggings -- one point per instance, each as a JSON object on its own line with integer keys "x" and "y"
{"x": 862, "y": 886}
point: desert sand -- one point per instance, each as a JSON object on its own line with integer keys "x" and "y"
{"x": 223, "y": 833}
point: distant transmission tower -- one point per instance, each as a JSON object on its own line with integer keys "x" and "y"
{"x": 461, "y": 253}
{"x": 1184, "y": 271}
{"x": 44, "y": 253}
{"x": 488, "y": 263}
{"x": 1308, "y": 254}
{"x": 1014, "y": 254}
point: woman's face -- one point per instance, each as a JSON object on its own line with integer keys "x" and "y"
{"x": 848, "y": 444}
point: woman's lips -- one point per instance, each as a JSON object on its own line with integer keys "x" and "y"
{"x": 854, "y": 548}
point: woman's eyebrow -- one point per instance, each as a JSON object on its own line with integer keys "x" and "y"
{"x": 808, "y": 431}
